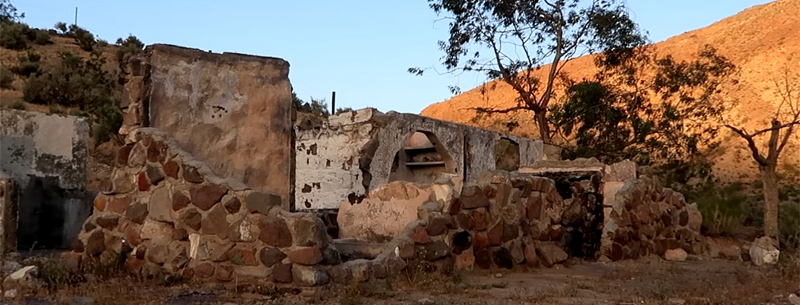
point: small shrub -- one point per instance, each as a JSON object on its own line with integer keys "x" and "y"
{"x": 128, "y": 46}
{"x": 83, "y": 38}
{"x": 6, "y": 78}
{"x": 56, "y": 109}
{"x": 74, "y": 82}
{"x": 27, "y": 64}
{"x": 56, "y": 274}
{"x": 19, "y": 105}
{"x": 39, "y": 36}
{"x": 62, "y": 28}
{"x": 14, "y": 35}
{"x": 789, "y": 225}
{"x": 343, "y": 110}
{"x": 724, "y": 210}
{"x": 107, "y": 121}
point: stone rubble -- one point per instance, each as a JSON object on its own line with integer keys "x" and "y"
{"x": 764, "y": 251}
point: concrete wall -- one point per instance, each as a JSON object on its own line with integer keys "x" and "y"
{"x": 8, "y": 215}
{"x": 46, "y": 155}
{"x": 230, "y": 111}
{"x": 351, "y": 154}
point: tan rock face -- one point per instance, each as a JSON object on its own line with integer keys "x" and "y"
{"x": 761, "y": 41}
{"x": 382, "y": 217}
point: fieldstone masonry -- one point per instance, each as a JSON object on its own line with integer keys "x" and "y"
{"x": 170, "y": 212}
{"x": 230, "y": 111}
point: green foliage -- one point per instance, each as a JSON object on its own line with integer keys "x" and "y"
{"x": 39, "y": 36}
{"x": 83, "y": 38}
{"x": 522, "y": 36}
{"x": 659, "y": 119}
{"x": 14, "y": 35}
{"x": 108, "y": 120}
{"x": 74, "y": 82}
{"x": 17, "y": 35}
{"x": 6, "y": 78}
{"x": 8, "y": 13}
{"x": 28, "y": 64}
{"x": 724, "y": 210}
{"x": 57, "y": 109}
{"x": 316, "y": 107}
{"x": 789, "y": 224}
{"x": 341, "y": 110}
{"x": 56, "y": 273}
{"x": 62, "y": 28}
{"x": 19, "y": 105}
{"x": 129, "y": 46}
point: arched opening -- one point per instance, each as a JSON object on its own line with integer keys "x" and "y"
{"x": 422, "y": 159}
{"x": 506, "y": 154}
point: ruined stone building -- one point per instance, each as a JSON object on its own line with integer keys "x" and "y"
{"x": 219, "y": 179}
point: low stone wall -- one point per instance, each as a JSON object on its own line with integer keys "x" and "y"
{"x": 497, "y": 220}
{"x": 647, "y": 218}
{"x": 506, "y": 220}
{"x": 169, "y": 212}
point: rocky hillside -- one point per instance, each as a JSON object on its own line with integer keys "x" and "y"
{"x": 762, "y": 41}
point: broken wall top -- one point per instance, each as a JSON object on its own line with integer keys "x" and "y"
{"x": 230, "y": 111}
{"x": 44, "y": 145}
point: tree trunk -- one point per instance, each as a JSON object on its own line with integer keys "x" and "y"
{"x": 771, "y": 200}
{"x": 544, "y": 129}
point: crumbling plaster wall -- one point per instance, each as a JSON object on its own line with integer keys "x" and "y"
{"x": 230, "y": 111}
{"x": 351, "y": 154}
{"x": 47, "y": 156}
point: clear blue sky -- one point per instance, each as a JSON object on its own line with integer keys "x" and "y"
{"x": 360, "y": 49}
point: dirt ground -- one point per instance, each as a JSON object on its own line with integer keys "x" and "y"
{"x": 646, "y": 281}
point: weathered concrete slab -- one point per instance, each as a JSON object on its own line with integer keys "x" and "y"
{"x": 47, "y": 157}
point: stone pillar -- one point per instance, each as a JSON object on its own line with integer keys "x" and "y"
{"x": 8, "y": 215}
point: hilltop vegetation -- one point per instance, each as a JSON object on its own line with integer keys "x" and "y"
{"x": 62, "y": 70}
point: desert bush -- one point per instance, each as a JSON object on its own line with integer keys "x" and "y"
{"x": 56, "y": 273}
{"x": 128, "y": 46}
{"x": 38, "y": 36}
{"x": 57, "y": 109}
{"x": 789, "y": 224}
{"x": 341, "y": 110}
{"x": 19, "y": 105}
{"x": 724, "y": 209}
{"x": 6, "y": 78}
{"x": 14, "y": 35}
{"x": 62, "y": 28}
{"x": 83, "y": 38}
{"x": 28, "y": 64}
{"x": 74, "y": 82}
{"x": 107, "y": 121}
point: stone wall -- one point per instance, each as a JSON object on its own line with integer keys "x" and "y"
{"x": 496, "y": 220}
{"x": 230, "y": 111}
{"x": 647, "y": 218}
{"x": 350, "y": 154}
{"x": 505, "y": 220}
{"x": 170, "y": 212}
{"x": 46, "y": 155}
